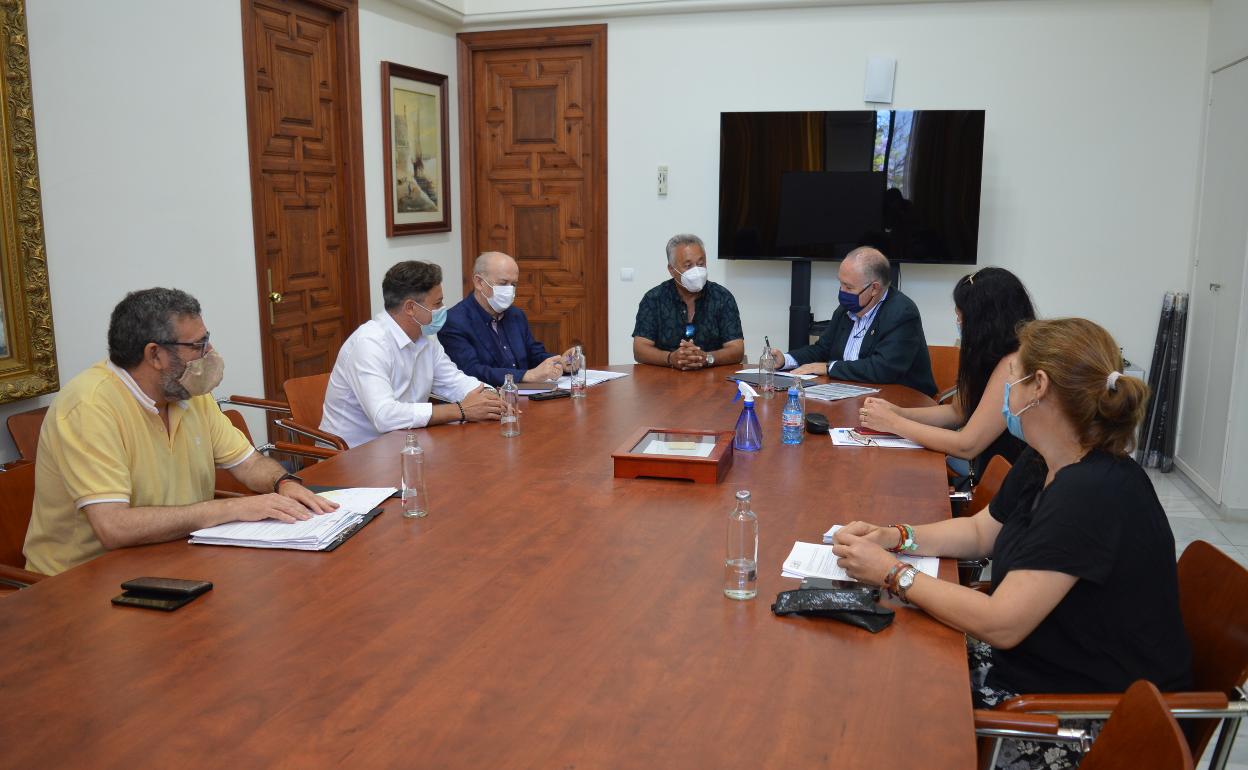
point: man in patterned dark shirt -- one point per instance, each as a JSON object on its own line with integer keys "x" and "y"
{"x": 688, "y": 322}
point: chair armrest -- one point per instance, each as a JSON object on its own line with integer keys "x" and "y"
{"x": 985, "y": 586}
{"x": 313, "y": 433}
{"x": 304, "y": 450}
{"x": 259, "y": 403}
{"x": 1044, "y": 724}
{"x": 18, "y": 576}
{"x": 948, "y": 394}
{"x": 1103, "y": 703}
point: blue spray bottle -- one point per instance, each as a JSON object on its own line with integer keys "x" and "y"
{"x": 749, "y": 436}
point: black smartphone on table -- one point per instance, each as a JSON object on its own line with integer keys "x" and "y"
{"x": 157, "y": 593}
{"x": 547, "y": 395}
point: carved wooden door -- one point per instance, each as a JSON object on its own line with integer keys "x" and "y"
{"x": 533, "y": 138}
{"x": 302, "y": 75}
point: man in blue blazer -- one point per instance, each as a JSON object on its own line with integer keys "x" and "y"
{"x": 487, "y": 337}
{"x": 876, "y": 335}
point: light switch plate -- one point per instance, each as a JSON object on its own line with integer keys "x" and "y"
{"x": 662, "y": 180}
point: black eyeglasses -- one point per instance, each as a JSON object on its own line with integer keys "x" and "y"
{"x": 202, "y": 345}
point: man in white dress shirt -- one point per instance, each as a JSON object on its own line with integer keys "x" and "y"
{"x": 388, "y": 367}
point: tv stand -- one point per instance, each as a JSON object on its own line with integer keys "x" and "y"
{"x": 801, "y": 320}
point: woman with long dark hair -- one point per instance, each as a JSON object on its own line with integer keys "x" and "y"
{"x": 990, "y": 304}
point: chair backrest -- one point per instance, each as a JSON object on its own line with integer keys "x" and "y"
{"x": 17, "y": 497}
{"x": 24, "y": 428}
{"x": 1139, "y": 734}
{"x": 989, "y": 484}
{"x": 306, "y": 396}
{"x": 944, "y": 366}
{"x": 1213, "y": 596}
{"x": 225, "y": 480}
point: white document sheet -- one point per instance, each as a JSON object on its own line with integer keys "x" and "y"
{"x": 842, "y": 437}
{"x": 816, "y": 560}
{"x": 592, "y": 377}
{"x": 781, "y": 374}
{"x": 679, "y": 448}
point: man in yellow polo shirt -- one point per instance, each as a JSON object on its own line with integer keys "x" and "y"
{"x": 128, "y": 450}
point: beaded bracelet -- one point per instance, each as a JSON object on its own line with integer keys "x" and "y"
{"x": 669, "y": 357}
{"x": 890, "y": 579}
{"x": 905, "y": 539}
{"x": 462, "y": 416}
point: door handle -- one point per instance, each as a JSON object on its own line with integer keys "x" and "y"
{"x": 1215, "y": 286}
{"x": 275, "y": 297}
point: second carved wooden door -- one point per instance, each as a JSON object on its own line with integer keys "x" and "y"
{"x": 533, "y": 129}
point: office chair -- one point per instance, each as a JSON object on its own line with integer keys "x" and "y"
{"x": 1213, "y": 597}
{"x": 1140, "y": 733}
{"x": 306, "y": 396}
{"x": 17, "y": 497}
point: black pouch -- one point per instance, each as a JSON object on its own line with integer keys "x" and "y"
{"x": 848, "y": 605}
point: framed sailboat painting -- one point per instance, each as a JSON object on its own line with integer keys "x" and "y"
{"x": 414, "y": 135}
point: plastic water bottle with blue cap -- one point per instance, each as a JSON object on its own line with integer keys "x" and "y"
{"x": 791, "y": 419}
{"x": 749, "y": 435}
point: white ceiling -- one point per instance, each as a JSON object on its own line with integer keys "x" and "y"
{"x": 468, "y": 13}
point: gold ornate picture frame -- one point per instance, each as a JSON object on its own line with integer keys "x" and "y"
{"x": 27, "y": 343}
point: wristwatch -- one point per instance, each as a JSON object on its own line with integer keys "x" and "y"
{"x": 904, "y": 580}
{"x": 710, "y": 359}
{"x": 285, "y": 477}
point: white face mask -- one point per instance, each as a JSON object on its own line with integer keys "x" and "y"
{"x": 694, "y": 279}
{"x": 502, "y": 298}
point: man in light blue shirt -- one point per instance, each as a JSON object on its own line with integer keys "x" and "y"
{"x": 876, "y": 335}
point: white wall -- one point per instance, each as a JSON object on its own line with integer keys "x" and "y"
{"x": 391, "y": 33}
{"x": 1094, "y": 120}
{"x": 143, "y": 161}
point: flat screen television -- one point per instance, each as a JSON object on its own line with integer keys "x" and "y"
{"x": 813, "y": 185}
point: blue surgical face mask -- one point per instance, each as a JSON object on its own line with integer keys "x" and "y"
{"x": 852, "y": 302}
{"x": 1014, "y": 422}
{"x": 435, "y": 325}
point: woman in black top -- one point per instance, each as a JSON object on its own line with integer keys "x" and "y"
{"x": 990, "y": 305}
{"x": 1084, "y": 586}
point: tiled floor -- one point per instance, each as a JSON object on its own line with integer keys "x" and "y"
{"x": 1195, "y": 517}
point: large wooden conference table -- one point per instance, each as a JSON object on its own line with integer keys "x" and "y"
{"x": 544, "y": 615}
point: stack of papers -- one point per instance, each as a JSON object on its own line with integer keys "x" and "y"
{"x": 851, "y": 437}
{"x": 835, "y": 391}
{"x": 815, "y": 560}
{"x": 592, "y": 377}
{"x": 314, "y": 534}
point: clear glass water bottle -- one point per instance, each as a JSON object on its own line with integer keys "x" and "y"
{"x": 412, "y": 485}
{"x": 510, "y": 418}
{"x": 791, "y": 420}
{"x": 579, "y": 375}
{"x": 741, "y": 559}
{"x": 766, "y": 374}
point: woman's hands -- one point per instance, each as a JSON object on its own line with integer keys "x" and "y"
{"x": 878, "y": 414}
{"x": 859, "y": 546}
